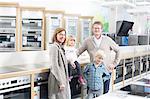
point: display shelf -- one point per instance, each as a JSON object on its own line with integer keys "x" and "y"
{"x": 53, "y": 20}
{"x": 118, "y": 72}
{"x": 32, "y": 28}
{"x": 134, "y": 68}
{"x": 8, "y": 26}
{"x": 85, "y": 27}
{"x": 71, "y": 23}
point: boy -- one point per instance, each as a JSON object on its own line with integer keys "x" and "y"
{"x": 94, "y": 73}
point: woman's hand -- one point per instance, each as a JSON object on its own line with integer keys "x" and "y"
{"x": 61, "y": 87}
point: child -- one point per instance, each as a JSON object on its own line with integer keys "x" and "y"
{"x": 71, "y": 56}
{"x": 94, "y": 75}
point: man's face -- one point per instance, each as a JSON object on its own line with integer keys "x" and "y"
{"x": 97, "y": 30}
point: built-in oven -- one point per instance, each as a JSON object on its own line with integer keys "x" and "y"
{"x": 148, "y": 67}
{"x": 128, "y": 68}
{"x": 144, "y": 63}
{"x": 137, "y": 66}
{"x": 31, "y": 34}
{"x": 7, "y": 33}
{"x": 41, "y": 86}
{"x": 15, "y": 88}
{"x": 119, "y": 72}
{"x": 20, "y": 92}
{"x": 20, "y": 87}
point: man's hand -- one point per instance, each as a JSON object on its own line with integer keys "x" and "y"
{"x": 111, "y": 66}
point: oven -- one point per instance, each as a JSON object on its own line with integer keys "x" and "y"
{"x": 144, "y": 63}
{"x": 20, "y": 87}
{"x": 31, "y": 40}
{"x": 15, "y": 88}
{"x": 128, "y": 68}
{"x": 41, "y": 85}
{"x": 20, "y": 92}
{"x": 7, "y": 33}
{"x": 119, "y": 72}
{"x": 137, "y": 66}
{"x": 31, "y": 34}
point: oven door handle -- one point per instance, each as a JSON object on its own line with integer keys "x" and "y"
{"x": 41, "y": 83}
{"x": 15, "y": 88}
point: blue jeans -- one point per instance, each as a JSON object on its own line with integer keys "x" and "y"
{"x": 93, "y": 93}
{"x": 106, "y": 85}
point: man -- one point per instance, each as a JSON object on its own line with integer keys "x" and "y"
{"x": 98, "y": 41}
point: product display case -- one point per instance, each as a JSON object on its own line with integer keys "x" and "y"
{"x": 72, "y": 25}
{"x": 32, "y": 28}
{"x": 53, "y": 20}
{"x": 144, "y": 63}
{"x": 132, "y": 66}
{"x": 85, "y": 27}
{"x": 148, "y": 66}
{"x": 118, "y": 73}
{"x": 8, "y": 27}
{"x": 137, "y": 66}
{"x": 128, "y": 68}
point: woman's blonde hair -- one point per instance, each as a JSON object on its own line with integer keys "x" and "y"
{"x": 69, "y": 38}
{"x": 57, "y": 31}
{"x": 100, "y": 53}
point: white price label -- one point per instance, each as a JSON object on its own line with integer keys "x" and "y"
{"x": 24, "y": 41}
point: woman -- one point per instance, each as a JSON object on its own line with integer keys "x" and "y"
{"x": 58, "y": 83}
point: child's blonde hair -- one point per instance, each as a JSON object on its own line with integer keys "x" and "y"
{"x": 100, "y": 53}
{"x": 69, "y": 38}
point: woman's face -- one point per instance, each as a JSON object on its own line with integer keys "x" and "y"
{"x": 61, "y": 37}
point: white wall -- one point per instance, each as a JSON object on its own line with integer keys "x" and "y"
{"x": 118, "y": 13}
{"x": 83, "y": 7}
{"x": 141, "y": 24}
{"x": 123, "y": 14}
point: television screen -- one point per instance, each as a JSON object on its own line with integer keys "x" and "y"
{"x": 123, "y": 27}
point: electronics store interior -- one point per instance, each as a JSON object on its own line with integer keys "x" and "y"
{"x": 110, "y": 41}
